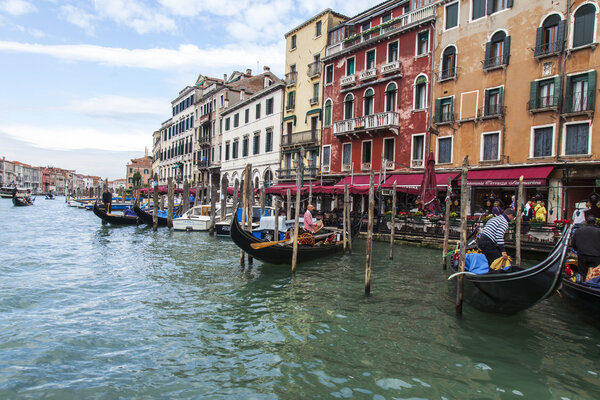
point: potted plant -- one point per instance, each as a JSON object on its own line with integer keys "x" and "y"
{"x": 417, "y": 216}
{"x": 403, "y": 215}
{"x": 537, "y": 222}
{"x": 433, "y": 218}
{"x": 453, "y": 216}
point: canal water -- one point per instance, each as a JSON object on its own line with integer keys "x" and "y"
{"x": 93, "y": 311}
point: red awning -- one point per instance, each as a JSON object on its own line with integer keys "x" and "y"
{"x": 532, "y": 176}
{"x": 413, "y": 181}
{"x": 281, "y": 189}
{"x": 358, "y": 184}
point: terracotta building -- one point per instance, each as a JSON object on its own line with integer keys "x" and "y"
{"x": 143, "y": 165}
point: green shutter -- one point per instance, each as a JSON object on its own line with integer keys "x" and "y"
{"x": 533, "y": 88}
{"x": 561, "y": 35}
{"x": 486, "y": 102}
{"x": 490, "y": 6}
{"x": 488, "y": 54}
{"x": 539, "y": 33}
{"x": 506, "y": 51}
{"x": 591, "y": 90}
{"x": 568, "y": 96}
{"x": 557, "y": 91}
{"x": 438, "y": 110}
{"x": 509, "y": 3}
{"x": 452, "y": 108}
{"x": 501, "y": 99}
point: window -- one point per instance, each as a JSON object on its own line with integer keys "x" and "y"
{"x": 390, "y": 97}
{"x": 451, "y": 15}
{"x": 327, "y": 121}
{"x": 246, "y": 115}
{"x": 368, "y": 101}
{"x": 498, "y": 5}
{"x": 221, "y": 101}
{"x": 130, "y": 170}
{"x": 227, "y": 123}
{"x": 370, "y": 59}
{"x": 234, "y": 149}
{"x": 497, "y": 51}
{"x": 269, "y": 141}
{"x": 542, "y": 141}
{"x": 291, "y": 100}
{"x": 550, "y": 37}
{"x": 318, "y": 27}
{"x": 326, "y": 156}
{"x": 329, "y": 74}
{"x": 392, "y": 54}
{"x": 349, "y": 106}
{"x": 258, "y": 111}
{"x": 245, "y": 144}
{"x": 490, "y": 150}
{"x": 422, "y": 43}
{"x": 544, "y": 93}
{"x": 386, "y": 17}
{"x": 347, "y": 154}
{"x": 236, "y": 120}
{"x": 227, "y": 146}
{"x": 293, "y": 45}
{"x": 444, "y": 150}
{"x": 269, "y": 106}
{"x": 583, "y": 26}
{"x": 220, "y": 151}
{"x": 365, "y": 27}
{"x": 366, "y": 152}
{"x": 350, "y": 66}
{"x": 577, "y": 139}
{"x": 315, "y": 97}
{"x": 388, "y": 149}
{"x": 444, "y": 110}
{"x": 493, "y": 102}
{"x": 418, "y": 149}
{"x": 448, "y": 63}
{"x": 581, "y": 92}
{"x": 421, "y": 93}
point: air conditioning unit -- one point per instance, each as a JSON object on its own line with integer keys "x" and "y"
{"x": 386, "y": 192}
{"x": 325, "y": 168}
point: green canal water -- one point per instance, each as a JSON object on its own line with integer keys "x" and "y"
{"x": 92, "y": 311}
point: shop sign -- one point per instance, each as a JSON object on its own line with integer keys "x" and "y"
{"x": 507, "y": 182}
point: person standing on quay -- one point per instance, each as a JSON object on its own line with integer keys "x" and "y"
{"x": 491, "y": 242}
{"x": 586, "y": 242}
{"x": 107, "y": 199}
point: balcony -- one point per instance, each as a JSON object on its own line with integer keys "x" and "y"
{"x": 389, "y": 165}
{"x": 416, "y": 163}
{"x": 204, "y": 118}
{"x": 348, "y": 80}
{"x": 495, "y": 62}
{"x": 290, "y": 78}
{"x": 368, "y": 74}
{"x": 314, "y": 100}
{"x": 290, "y": 173}
{"x": 346, "y": 167}
{"x": 446, "y": 117}
{"x": 446, "y": 74}
{"x": 325, "y": 169}
{"x": 204, "y": 140}
{"x": 365, "y": 166}
{"x": 300, "y": 138}
{"x": 203, "y": 164}
{"x": 289, "y": 107}
{"x": 543, "y": 103}
{"x": 548, "y": 49}
{"x": 491, "y": 111}
{"x": 314, "y": 69}
{"x": 385, "y": 120}
{"x": 580, "y": 102}
{"x": 391, "y": 67}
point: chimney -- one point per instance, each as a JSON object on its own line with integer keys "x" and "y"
{"x": 224, "y": 77}
{"x": 266, "y": 69}
{"x": 249, "y": 72}
{"x": 242, "y": 94}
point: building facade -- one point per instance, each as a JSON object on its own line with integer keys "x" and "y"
{"x": 143, "y": 165}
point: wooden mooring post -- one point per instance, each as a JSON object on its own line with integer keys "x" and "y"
{"x": 393, "y": 222}
{"x": 463, "y": 235}
{"x": 262, "y": 200}
{"x": 447, "y": 223}
{"x": 170, "y": 200}
{"x": 288, "y": 211}
{"x": 349, "y": 221}
{"x": 185, "y": 202}
{"x": 370, "y": 234}
{"x": 223, "y": 199}
{"x": 296, "y": 222}
{"x": 345, "y": 222}
{"x": 213, "y": 209}
{"x": 519, "y": 219}
{"x": 243, "y": 221}
{"x": 155, "y": 201}
{"x": 236, "y": 198}
{"x": 249, "y": 204}
{"x": 276, "y": 232}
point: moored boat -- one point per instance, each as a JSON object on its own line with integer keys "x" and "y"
{"x": 146, "y": 217}
{"x": 115, "y": 219}
{"x": 22, "y": 201}
{"x": 197, "y": 218}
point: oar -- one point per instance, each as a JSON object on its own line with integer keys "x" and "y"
{"x": 262, "y": 245}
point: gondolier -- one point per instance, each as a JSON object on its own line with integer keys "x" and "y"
{"x": 107, "y": 199}
{"x": 491, "y": 242}
{"x": 586, "y": 241}
{"x": 309, "y": 224}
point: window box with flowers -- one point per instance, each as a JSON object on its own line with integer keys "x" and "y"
{"x": 417, "y": 216}
{"x": 560, "y": 223}
{"x": 453, "y": 216}
{"x": 403, "y": 215}
{"x": 433, "y": 218}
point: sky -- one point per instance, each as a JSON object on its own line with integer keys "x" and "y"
{"x": 85, "y": 83}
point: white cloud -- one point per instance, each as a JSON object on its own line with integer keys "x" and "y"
{"x": 17, "y": 7}
{"x": 136, "y": 15}
{"x": 185, "y": 57}
{"x": 117, "y": 106}
{"x": 79, "y": 17}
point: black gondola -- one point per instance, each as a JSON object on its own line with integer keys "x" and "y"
{"x": 115, "y": 219}
{"x": 282, "y": 253}
{"x": 21, "y": 202}
{"x": 146, "y": 217}
{"x": 582, "y": 296}
{"x": 512, "y": 292}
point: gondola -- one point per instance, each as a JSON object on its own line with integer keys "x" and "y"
{"x": 282, "y": 253}
{"x": 115, "y": 219}
{"x": 21, "y": 201}
{"x": 582, "y": 296}
{"x": 511, "y": 292}
{"x": 146, "y": 217}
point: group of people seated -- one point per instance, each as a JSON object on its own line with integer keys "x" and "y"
{"x": 311, "y": 226}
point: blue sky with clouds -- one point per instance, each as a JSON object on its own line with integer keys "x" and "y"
{"x": 84, "y": 83}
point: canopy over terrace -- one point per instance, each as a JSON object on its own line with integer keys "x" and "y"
{"x": 358, "y": 184}
{"x": 506, "y": 177}
{"x": 413, "y": 181}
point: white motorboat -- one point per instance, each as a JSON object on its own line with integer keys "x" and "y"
{"x": 197, "y": 218}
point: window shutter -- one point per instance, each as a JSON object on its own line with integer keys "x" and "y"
{"x": 533, "y": 88}
{"x": 568, "y": 96}
{"x": 486, "y": 102}
{"x": 501, "y": 99}
{"x": 509, "y": 3}
{"x": 557, "y": 91}
{"x": 438, "y": 110}
{"x": 538, "y": 41}
{"x": 452, "y": 109}
{"x": 561, "y": 35}
{"x": 488, "y": 55}
{"x": 506, "y": 51}
{"x": 591, "y": 89}
{"x": 490, "y": 6}
{"x": 578, "y": 32}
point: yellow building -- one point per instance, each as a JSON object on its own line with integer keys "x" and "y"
{"x": 514, "y": 90}
{"x": 305, "y": 46}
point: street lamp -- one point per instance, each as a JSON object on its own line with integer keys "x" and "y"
{"x": 299, "y": 165}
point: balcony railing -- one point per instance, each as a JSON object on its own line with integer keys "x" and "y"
{"x": 416, "y": 163}
{"x": 495, "y": 62}
{"x": 314, "y": 100}
{"x": 546, "y": 49}
{"x": 203, "y": 140}
{"x": 368, "y": 74}
{"x": 314, "y": 69}
{"x": 368, "y": 122}
{"x": 346, "y": 167}
{"x": 300, "y": 138}
{"x": 289, "y": 107}
{"x": 347, "y": 80}
{"x": 580, "y": 101}
{"x": 203, "y": 164}
{"x": 389, "y": 164}
{"x": 391, "y": 67}
{"x": 288, "y": 173}
{"x": 365, "y": 166}
{"x": 290, "y": 78}
{"x": 543, "y": 102}
{"x": 446, "y": 116}
{"x": 492, "y": 110}
{"x": 446, "y": 74}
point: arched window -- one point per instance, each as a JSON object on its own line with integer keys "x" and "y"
{"x": 349, "y": 106}
{"x": 449, "y": 63}
{"x": 368, "y": 100}
{"x": 498, "y": 48}
{"x": 390, "y": 97}
{"x": 421, "y": 93}
{"x": 550, "y": 36}
{"x": 268, "y": 178}
{"x": 327, "y": 113}
{"x": 583, "y": 26}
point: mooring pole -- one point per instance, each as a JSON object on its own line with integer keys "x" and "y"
{"x": 213, "y": 209}
{"x": 393, "y": 221}
{"x": 276, "y": 233}
{"x": 185, "y": 203}
{"x": 236, "y": 200}
{"x": 345, "y": 223}
{"x": 349, "y": 221}
{"x": 170, "y": 200}
{"x": 463, "y": 235}
{"x": 155, "y": 201}
{"x": 296, "y": 221}
{"x": 243, "y": 221}
{"x": 310, "y": 192}
{"x": 519, "y": 219}
{"x": 249, "y": 203}
{"x": 288, "y": 211}
{"x": 447, "y": 223}
{"x": 262, "y": 201}
{"x": 223, "y": 199}
{"x": 370, "y": 234}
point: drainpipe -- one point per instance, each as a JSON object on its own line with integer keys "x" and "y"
{"x": 432, "y": 79}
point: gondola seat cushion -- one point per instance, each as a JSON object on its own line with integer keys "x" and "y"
{"x": 476, "y": 263}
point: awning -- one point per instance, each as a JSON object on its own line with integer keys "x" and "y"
{"x": 281, "y": 189}
{"x": 413, "y": 181}
{"x": 314, "y": 111}
{"x": 293, "y": 117}
{"x": 532, "y": 176}
{"x": 358, "y": 184}
{"x": 177, "y": 166}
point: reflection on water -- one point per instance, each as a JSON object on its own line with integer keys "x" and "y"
{"x": 88, "y": 310}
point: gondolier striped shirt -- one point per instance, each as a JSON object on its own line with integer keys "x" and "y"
{"x": 495, "y": 229}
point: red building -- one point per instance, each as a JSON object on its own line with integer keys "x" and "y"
{"x": 377, "y": 97}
